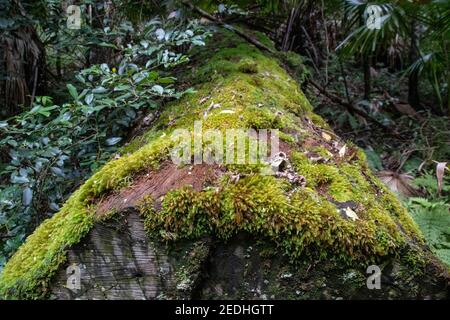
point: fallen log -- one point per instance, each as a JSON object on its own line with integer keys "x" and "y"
{"x": 310, "y": 221}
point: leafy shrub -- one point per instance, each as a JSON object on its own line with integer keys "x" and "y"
{"x": 51, "y": 149}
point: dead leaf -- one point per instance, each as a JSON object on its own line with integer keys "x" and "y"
{"x": 202, "y": 100}
{"x": 211, "y": 107}
{"x": 398, "y": 182}
{"x": 227, "y": 111}
{"x": 326, "y": 136}
{"x": 406, "y": 109}
{"x": 342, "y": 151}
{"x": 348, "y": 213}
{"x": 440, "y": 169}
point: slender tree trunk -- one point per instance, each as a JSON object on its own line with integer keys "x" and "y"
{"x": 58, "y": 65}
{"x": 367, "y": 77}
{"x": 287, "y": 36}
{"x": 448, "y": 95}
{"x": 22, "y": 59}
{"x": 413, "y": 81}
{"x": 98, "y": 54}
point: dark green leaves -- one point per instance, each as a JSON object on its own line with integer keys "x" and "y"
{"x": 112, "y": 141}
{"x": 53, "y": 148}
{"x": 73, "y": 91}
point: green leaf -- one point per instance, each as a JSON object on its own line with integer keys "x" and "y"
{"x": 89, "y": 98}
{"x": 354, "y": 124}
{"x": 99, "y": 90}
{"x": 167, "y": 80}
{"x": 27, "y": 196}
{"x": 433, "y": 219}
{"x": 122, "y": 87}
{"x": 158, "y": 89}
{"x": 374, "y": 160}
{"x": 57, "y": 171}
{"x": 19, "y": 179}
{"x": 113, "y": 141}
{"x": 12, "y": 143}
{"x": 73, "y": 91}
{"x": 107, "y": 45}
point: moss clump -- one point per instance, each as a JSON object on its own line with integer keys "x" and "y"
{"x": 295, "y": 64}
{"x": 248, "y": 66}
{"x": 299, "y": 222}
{"x": 323, "y": 152}
{"x": 354, "y": 182}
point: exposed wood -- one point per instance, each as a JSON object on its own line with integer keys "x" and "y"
{"x": 117, "y": 260}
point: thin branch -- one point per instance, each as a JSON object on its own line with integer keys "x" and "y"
{"x": 353, "y": 108}
{"x": 210, "y": 17}
{"x": 36, "y": 70}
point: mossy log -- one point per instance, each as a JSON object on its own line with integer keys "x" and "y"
{"x": 145, "y": 228}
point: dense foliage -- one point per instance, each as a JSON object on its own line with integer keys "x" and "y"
{"x": 53, "y": 148}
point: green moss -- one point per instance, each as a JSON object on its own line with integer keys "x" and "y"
{"x": 302, "y": 222}
{"x": 237, "y": 86}
{"x": 353, "y": 182}
{"x": 319, "y": 121}
{"x": 295, "y": 64}
{"x": 27, "y": 272}
{"x": 248, "y": 66}
{"x": 287, "y": 138}
{"x": 323, "y": 152}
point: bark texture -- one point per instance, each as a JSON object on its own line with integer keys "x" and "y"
{"x": 118, "y": 261}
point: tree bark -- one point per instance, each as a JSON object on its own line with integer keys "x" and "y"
{"x": 367, "y": 61}
{"x": 118, "y": 261}
{"x": 413, "y": 80}
{"x": 22, "y": 66}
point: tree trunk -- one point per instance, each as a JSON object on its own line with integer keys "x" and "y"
{"x": 98, "y": 54}
{"x": 308, "y": 222}
{"x": 413, "y": 80}
{"x": 367, "y": 77}
{"x": 118, "y": 261}
{"x": 22, "y": 64}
